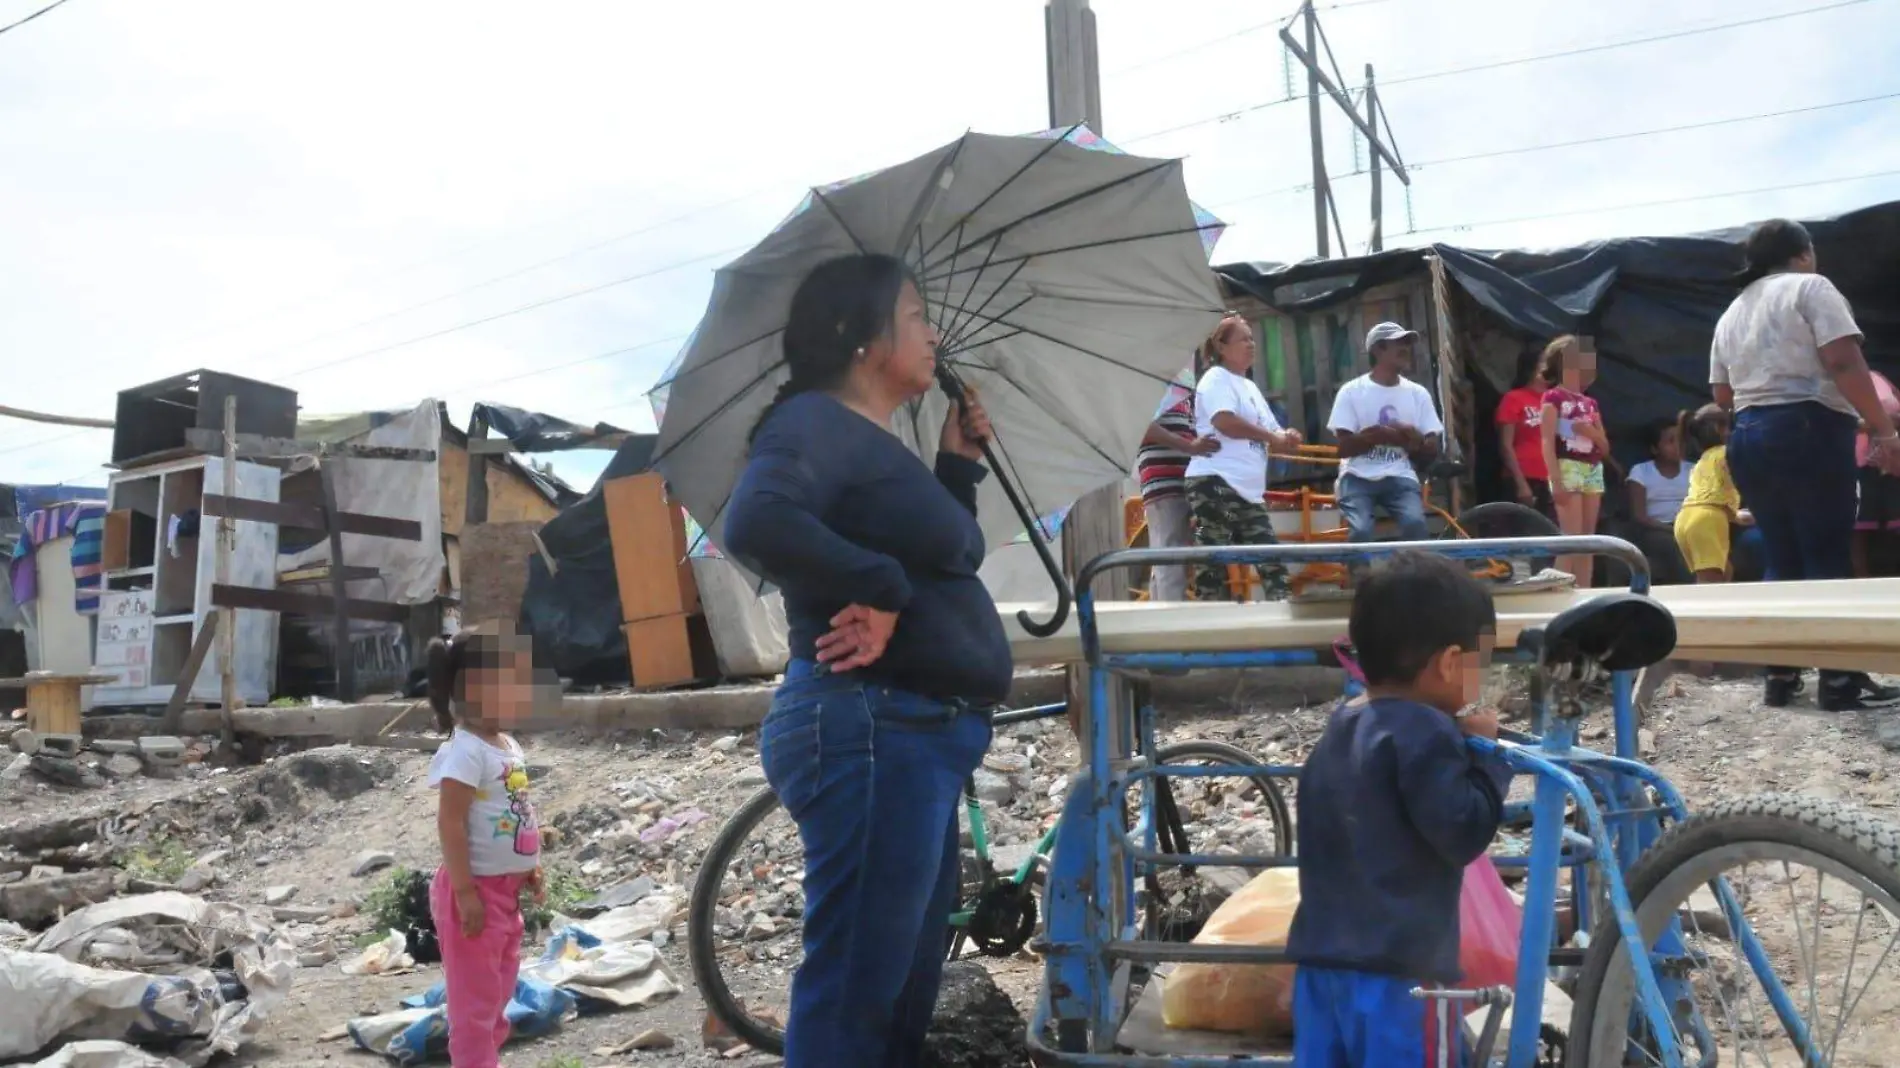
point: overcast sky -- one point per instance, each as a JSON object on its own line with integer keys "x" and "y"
{"x": 333, "y": 196}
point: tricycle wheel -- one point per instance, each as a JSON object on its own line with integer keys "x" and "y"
{"x": 1850, "y": 886}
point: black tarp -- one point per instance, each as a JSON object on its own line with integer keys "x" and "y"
{"x": 1651, "y": 303}
{"x": 573, "y": 615}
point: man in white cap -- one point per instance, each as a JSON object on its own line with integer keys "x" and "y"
{"x": 1386, "y": 424}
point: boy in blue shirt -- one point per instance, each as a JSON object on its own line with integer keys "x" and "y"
{"x": 1392, "y": 807}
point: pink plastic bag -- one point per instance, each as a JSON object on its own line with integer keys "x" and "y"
{"x": 1489, "y": 925}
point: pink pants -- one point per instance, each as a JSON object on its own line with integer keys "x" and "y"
{"x": 480, "y": 971}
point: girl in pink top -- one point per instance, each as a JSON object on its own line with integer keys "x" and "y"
{"x": 1575, "y": 444}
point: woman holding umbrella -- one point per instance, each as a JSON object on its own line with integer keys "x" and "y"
{"x": 897, "y": 653}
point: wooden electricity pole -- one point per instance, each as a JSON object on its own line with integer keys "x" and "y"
{"x": 1384, "y": 152}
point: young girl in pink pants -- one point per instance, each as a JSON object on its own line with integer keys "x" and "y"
{"x": 481, "y": 684}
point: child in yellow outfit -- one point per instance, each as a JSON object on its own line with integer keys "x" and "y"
{"x": 1713, "y": 504}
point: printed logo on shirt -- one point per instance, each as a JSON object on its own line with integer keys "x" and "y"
{"x": 1386, "y": 454}
{"x": 517, "y": 821}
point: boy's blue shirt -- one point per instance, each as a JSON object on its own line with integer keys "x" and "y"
{"x": 1392, "y": 806}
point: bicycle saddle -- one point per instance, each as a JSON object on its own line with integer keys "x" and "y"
{"x": 1615, "y": 631}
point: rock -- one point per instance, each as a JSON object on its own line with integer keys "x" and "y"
{"x": 26, "y": 742}
{"x": 371, "y": 860}
{"x": 45, "y": 871}
{"x": 197, "y": 877}
{"x": 123, "y": 766}
{"x": 16, "y": 769}
{"x": 64, "y": 770}
{"x": 213, "y": 857}
{"x": 278, "y": 895}
{"x": 113, "y": 746}
{"x": 650, "y": 1039}
{"x": 993, "y": 788}
{"x": 627, "y": 893}
{"x": 976, "y": 1025}
{"x": 1646, "y": 742}
{"x": 340, "y": 772}
{"x": 726, "y": 744}
{"x": 1887, "y": 733}
{"x": 39, "y": 901}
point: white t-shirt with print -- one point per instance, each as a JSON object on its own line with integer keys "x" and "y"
{"x": 1662, "y": 496}
{"x": 1242, "y": 463}
{"x": 1767, "y": 344}
{"x": 1363, "y": 403}
{"x": 503, "y": 836}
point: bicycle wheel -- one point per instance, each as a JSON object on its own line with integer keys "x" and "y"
{"x": 1179, "y": 899}
{"x": 1741, "y": 846}
{"x": 739, "y": 959}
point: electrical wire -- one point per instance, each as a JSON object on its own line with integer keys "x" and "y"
{"x": 1634, "y": 205}
{"x": 1305, "y": 187}
{"x": 1386, "y": 83}
{"x": 1244, "y": 31}
{"x": 17, "y": 23}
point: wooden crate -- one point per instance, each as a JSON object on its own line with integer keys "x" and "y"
{"x": 669, "y": 650}
{"x": 649, "y": 545}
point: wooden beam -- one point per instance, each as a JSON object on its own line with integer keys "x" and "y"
{"x": 476, "y": 499}
{"x": 58, "y": 420}
{"x": 339, "y": 593}
{"x": 257, "y": 447}
{"x": 174, "y": 718}
{"x": 321, "y": 573}
{"x": 499, "y": 446}
{"x": 292, "y": 603}
{"x": 226, "y": 547}
{"x": 307, "y": 517}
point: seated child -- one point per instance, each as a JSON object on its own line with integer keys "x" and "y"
{"x": 1392, "y": 807}
{"x": 1713, "y": 505}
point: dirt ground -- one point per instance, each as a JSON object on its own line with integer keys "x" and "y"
{"x": 1711, "y": 737}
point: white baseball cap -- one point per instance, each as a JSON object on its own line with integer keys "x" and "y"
{"x": 1388, "y": 332}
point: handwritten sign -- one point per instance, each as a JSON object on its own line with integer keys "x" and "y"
{"x": 125, "y": 636}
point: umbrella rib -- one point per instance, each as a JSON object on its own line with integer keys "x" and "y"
{"x": 961, "y": 323}
{"x": 710, "y": 360}
{"x": 1004, "y": 184}
{"x": 1056, "y": 412}
{"x": 971, "y": 346}
{"x": 724, "y": 406}
{"x": 1084, "y": 247}
{"x": 915, "y": 224}
{"x": 1053, "y": 340}
{"x": 832, "y": 211}
{"x": 1065, "y": 203}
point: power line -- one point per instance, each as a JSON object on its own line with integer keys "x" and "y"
{"x": 1656, "y": 203}
{"x": 533, "y": 306}
{"x": 16, "y": 24}
{"x": 1519, "y": 61}
{"x": 1244, "y": 31}
{"x": 1582, "y": 141}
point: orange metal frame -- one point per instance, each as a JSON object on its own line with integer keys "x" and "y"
{"x": 1242, "y": 581}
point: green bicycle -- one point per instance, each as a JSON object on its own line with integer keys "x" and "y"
{"x": 742, "y": 926}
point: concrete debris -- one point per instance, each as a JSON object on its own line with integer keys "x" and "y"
{"x": 370, "y": 861}
{"x": 279, "y": 895}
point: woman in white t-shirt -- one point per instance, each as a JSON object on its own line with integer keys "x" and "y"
{"x": 1227, "y": 488}
{"x": 1656, "y": 488}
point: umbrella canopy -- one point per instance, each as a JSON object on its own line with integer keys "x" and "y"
{"x": 1069, "y": 283}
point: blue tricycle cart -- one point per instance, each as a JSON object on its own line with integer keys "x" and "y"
{"x": 1614, "y": 855}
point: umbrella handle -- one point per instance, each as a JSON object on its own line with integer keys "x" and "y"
{"x": 953, "y": 388}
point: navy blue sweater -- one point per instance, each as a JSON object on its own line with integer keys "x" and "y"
{"x": 1392, "y": 807}
{"x": 834, "y": 510}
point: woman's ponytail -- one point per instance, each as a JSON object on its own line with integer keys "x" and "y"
{"x": 445, "y": 665}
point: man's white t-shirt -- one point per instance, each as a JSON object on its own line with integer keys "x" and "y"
{"x": 1242, "y": 463}
{"x": 1363, "y": 403}
{"x": 1662, "y": 496}
{"x": 1767, "y": 345}
{"x": 503, "y": 836}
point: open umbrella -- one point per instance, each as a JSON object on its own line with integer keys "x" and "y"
{"x": 1068, "y": 281}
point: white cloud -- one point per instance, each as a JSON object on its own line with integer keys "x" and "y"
{"x": 267, "y": 188}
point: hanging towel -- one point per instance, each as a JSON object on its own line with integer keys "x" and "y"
{"x": 51, "y": 524}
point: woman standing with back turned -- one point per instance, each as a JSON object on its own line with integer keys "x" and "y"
{"x": 897, "y": 655}
{"x": 1786, "y": 360}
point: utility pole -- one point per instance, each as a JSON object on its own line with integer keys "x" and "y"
{"x": 1322, "y": 189}
{"x": 1094, "y": 525}
{"x": 1306, "y": 48}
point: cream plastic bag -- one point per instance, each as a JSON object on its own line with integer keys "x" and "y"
{"x": 1250, "y": 999}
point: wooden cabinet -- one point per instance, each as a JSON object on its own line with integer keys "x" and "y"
{"x": 154, "y": 603}
{"x": 667, "y": 640}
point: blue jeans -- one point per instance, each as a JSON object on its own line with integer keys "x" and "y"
{"x": 1359, "y": 498}
{"x": 1794, "y": 465}
{"x": 872, "y": 776}
{"x": 1345, "y": 1019}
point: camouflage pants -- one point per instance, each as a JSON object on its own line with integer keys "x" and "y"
{"x": 1224, "y": 517}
